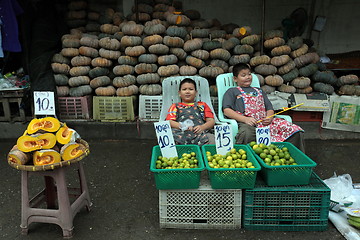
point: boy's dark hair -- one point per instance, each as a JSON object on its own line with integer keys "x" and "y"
{"x": 238, "y": 67}
{"x": 187, "y": 80}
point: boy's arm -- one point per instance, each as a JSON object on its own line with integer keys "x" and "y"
{"x": 174, "y": 124}
{"x": 171, "y": 116}
{"x": 209, "y": 118}
{"x": 267, "y": 121}
{"x": 228, "y": 112}
{"x": 209, "y": 123}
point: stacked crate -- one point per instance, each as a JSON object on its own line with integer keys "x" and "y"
{"x": 280, "y": 198}
{"x": 202, "y": 208}
{"x": 287, "y": 208}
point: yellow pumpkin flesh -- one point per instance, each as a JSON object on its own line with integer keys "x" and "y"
{"x": 45, "y": 157}
{"x": 72, "y": 151}
{"x": 27, "y": 143}
{"x": 48, "y": 124}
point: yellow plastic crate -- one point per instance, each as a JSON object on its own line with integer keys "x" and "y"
{"x": 113, "y": 109}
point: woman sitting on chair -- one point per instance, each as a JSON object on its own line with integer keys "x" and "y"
{"x": 190, "y": 120}
{"x": 251, "y": 108}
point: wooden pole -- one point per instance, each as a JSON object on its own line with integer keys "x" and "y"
{"x": 286, "y": 109}
{"x": 137, "y": 11}
{"x": 262, "y": 27}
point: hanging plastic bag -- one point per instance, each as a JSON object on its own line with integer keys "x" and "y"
{"x": 341, "y": 190}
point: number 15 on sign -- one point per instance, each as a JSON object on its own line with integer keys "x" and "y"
{"x": 223, "y": 139}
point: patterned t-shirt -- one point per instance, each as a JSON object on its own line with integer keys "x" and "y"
{"x": 233, "y": 99}
{"x": 204, "y": 108}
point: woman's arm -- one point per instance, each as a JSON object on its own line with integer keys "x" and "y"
{"x": 238, "y": 117}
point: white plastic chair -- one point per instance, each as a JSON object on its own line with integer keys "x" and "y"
{"x": 223, "y": 83}
{"x": 170, "y": 95}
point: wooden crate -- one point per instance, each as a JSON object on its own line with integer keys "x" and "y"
{"x": 12, "y": 108}
{"x": 305, "y": 116}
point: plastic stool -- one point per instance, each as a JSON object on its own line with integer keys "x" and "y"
{"x": 64, "y": 215}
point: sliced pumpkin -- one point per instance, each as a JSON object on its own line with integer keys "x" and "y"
{"x": 48, "y": 124}
{"x": 46, "y": 140}
{"x": 35, "y": 142}
{"x": 66, "y": 135}
{"x": 45, "y": 157}
{"x": 72, "y": 150}
{"x": 18, "y": 157}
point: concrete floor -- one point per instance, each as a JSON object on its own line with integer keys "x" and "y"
{"x": 125, "y": 199}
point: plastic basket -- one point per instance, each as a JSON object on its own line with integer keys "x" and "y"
{"x": 113, "y": 109}
{"x": 287, "y": 208}
{"x": 234, "y": 178}
{"x": 75, "y": 107}
{"x": 203, "y": 208}
{"x": 287, "y": 174}
{"x": 150, "y": 107}
{"x": 187, "y": 178}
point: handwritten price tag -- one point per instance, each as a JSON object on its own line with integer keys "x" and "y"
{"x": 223, "y": 139}
{"x": 263, "y": 135}
{"x": 165, "y": 139}
{"x": 44, "y": 103}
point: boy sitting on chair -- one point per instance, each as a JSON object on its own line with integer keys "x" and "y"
{"x": 190, "y": 120}
{"x": 251, "y": 108}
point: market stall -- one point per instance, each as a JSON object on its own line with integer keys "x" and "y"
{"x": 108, "y": 65}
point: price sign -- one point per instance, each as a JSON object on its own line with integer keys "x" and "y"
{"x": 44, "y": 103}
{"x": 223, "y": 139}
{"x": 263, "y": 135}
{"x": 165, "y": 139}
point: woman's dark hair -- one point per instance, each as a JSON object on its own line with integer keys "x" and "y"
{"x": 238, "y": 67}
{"x": 187, "y": 80}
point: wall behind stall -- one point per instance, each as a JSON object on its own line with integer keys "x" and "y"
{"x": 341, "y": 32}
{"x": 247, "y": 12}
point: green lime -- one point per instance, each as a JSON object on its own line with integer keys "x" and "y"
{"x": 258, "y": 150}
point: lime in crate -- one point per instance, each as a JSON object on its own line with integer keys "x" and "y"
{"x": 238, "y": 170}
{"x": 181, "y": 172}
{"x": 283, "y": 164}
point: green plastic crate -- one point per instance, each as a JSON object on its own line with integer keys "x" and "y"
{"x": 236, "y": 178}
{"x": 188, "y": 178}
{"x": 287, "y": 174}
{"x": 287, "y": 208}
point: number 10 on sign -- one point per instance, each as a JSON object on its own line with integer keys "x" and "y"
{"x": 44, "y": 103}
{"x": 165, "y": 139}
